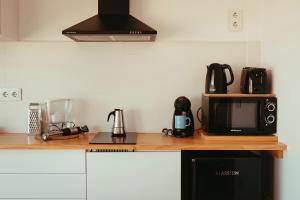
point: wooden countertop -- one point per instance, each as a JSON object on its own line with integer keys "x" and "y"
{"x": 149, "y": 142}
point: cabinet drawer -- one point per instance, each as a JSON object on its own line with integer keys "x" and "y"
{"x": 42, "y": 186}
{"x": 42, "y": 161}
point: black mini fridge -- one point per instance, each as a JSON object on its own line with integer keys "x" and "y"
{"x": 227, "y": 175}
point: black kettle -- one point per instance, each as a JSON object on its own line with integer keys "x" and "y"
{"x": 216, "y": 81}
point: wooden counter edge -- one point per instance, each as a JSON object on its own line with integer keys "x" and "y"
{"x": 171, "y": 145}
{"x": 238, "y": 95}
{"x": 276, "y": 149}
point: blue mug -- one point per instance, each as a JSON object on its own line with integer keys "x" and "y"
{"x": 182, "y": 121}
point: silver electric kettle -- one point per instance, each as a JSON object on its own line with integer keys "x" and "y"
{"x": 118, "y": 129}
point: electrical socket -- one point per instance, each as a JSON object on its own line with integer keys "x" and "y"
{"x": 236, "y": 20}
{"x": 10, "y": 94}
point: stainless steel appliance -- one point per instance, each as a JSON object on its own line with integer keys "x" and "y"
{"x": 113, "y": 23}
{"x": 226, "y": 175}
{"x": 118, "y": 129}
{"x": 239, "y": 115}
{"x": 118, "y": 134}
{"x": 254, "y": 80}
{"x": 216, "y": 81}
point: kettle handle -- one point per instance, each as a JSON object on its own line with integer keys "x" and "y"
{"x": 231, "y": 74}
{"x": 110, "y": 114}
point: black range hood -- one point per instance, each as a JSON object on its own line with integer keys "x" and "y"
{"x": 112, "y": 24}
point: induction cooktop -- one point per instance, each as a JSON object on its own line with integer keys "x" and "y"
{"x": 107, "y": 138}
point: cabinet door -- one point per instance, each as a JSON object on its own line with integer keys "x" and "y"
{"x": 42, "y": 161}
{"x": 134, "y": 176}
{"x": 42, "y": 186}
{"x": 42, "y": 174}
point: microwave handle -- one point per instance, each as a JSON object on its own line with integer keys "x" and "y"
{"x": 260, "y": 115}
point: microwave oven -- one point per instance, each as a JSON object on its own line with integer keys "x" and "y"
{"x": 239, "y": 114}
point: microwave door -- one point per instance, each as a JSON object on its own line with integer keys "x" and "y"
{"x": 221, "y": 119}
{"x": 244, "y": 116}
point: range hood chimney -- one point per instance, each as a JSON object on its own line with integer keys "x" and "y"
{"x": 112, "y": 24}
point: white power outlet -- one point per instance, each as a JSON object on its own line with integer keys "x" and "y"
{"x": 236, "y": 20}
{"x": 10, "y": 94}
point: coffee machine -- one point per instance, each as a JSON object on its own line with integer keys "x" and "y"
{"x": 183, "y": 121}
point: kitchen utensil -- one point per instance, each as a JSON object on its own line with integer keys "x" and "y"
{"x": 59, "y": 114}
{"x": 118, "y": 129}
{"x": 254, "y": 80}
{"x": 216, "y": 81}
{"x": 183, "y": 121}
{"x": 66, "y": 132}
{"x": 34, "y": 119}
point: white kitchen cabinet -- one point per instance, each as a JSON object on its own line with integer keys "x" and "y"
{"x": 42, "y": 186}
{"x": 42, "y": 161}
{"x": 134, "y": 176}
{"x": 9, "y": 19}
{"x": 42, "y": 174}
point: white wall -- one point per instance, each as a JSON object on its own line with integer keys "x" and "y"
{"x": 142, "y": 78}
{"x": 281, "y": 47}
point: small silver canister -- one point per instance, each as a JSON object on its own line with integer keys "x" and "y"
{"x": 34, "y": 119}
